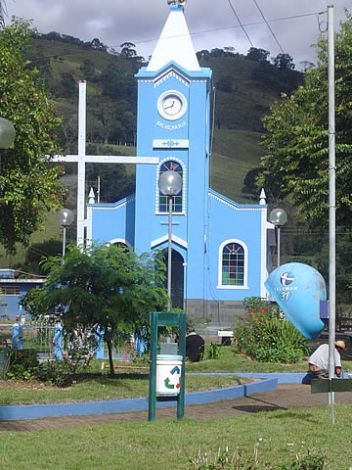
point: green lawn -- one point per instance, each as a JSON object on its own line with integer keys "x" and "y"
{"x": 277, "y": 437}
{"x": 230, "y": 361}
{"x": 132, "y": 383}
{"x": 98, "y": 387}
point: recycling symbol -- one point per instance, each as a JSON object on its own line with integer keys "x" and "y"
{"x": 174, "y": 383}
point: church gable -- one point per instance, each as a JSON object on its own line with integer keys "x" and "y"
{"x": 173, "y": 74}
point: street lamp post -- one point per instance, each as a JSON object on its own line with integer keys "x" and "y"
{"x": 278, "y": 217}
{"x": 64, "y": 218}
{"x": 170, "y": 184}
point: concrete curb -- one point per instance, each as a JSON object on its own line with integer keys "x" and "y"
{"x": 19, "y": 412}
{"x": 282, "y": 377}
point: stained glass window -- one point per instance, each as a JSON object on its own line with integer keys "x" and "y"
{"x": 233, "y": 264}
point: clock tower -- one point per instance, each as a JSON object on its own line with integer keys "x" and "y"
{"x": 173, "y": 124}
{"x": 219, "y": 247}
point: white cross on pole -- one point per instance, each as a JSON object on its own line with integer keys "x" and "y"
{"x": 81, "y": 159}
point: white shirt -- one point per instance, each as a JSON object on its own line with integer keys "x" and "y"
{"x": 320, "y": 357}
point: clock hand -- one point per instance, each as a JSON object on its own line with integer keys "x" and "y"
{"x": 171, "y": 106}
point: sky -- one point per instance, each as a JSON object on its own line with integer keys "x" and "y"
{"x": 294, "y": 24}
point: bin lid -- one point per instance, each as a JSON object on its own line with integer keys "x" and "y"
{"x": 169, "y": 357}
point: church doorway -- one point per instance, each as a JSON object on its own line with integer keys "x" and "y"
{"x": 177, "y": 278}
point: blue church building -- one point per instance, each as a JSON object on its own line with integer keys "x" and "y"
{"x": 219, "y": 247}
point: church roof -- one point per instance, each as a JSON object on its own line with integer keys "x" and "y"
{"x": 175, "y": 44}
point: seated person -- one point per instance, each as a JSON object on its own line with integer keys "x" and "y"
{"x": 318, "y": 363}
{"x": 194, "y": 346}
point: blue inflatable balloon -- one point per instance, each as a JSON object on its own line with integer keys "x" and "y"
{"x": 298, "y": 289}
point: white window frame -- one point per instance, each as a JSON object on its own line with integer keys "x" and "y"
{"x": 245, "y": 270}
{"x": 184, "y": 185}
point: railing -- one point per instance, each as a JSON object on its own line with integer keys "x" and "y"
{"x": 344, "y": 321}
{"x": 38, "y": 336}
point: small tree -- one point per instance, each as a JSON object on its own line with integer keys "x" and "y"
{"x": 107, "y": 286}
{"x": 128, "y": 50}
{"x": 259, "y": 55}
{"x": 283, "y": 62}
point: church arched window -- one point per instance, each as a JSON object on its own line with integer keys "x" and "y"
{"x": 233, "y": 264}
{"x": 176, "y": 200}
{"x": 120, "y": 243}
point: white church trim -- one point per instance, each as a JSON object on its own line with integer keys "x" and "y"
{"x": 171, "y": 73}
{"x": 165, "y": 238}
{"x": 113, "y": 206}
{"x": 234, "y": 206}
{"x": 245, "y": 273}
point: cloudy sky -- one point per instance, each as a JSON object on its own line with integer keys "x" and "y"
{"x": 212, "y": 23}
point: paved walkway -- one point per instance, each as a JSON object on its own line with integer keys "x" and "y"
{"x": 285, "y": 397}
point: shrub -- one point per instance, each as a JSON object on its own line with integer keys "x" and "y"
{"x": 213, "y": 351}
{"x": 19, "y": 372}
{"x": 27, "y": 358}
{"x": 267, "y": 338}
{"x": 255, "y": 304}
{"x": 53, "y": 373}
{"x": 24, "y": 366}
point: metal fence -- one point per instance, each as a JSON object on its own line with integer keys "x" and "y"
{"x": 36, "y": 335}
{"x": 39, "y": 335}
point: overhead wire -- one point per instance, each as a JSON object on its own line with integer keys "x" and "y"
{"x": 268, "y": 25}
{"x": 239, "y": 22}
{"x": 195, "y": 33}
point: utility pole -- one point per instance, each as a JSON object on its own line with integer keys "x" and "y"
{"x": 332, "y": 204}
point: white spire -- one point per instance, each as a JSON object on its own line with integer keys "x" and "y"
{"x": 175, "y": 43}
{"x": 262, "y": 197}
{"x": 91, "y": 196}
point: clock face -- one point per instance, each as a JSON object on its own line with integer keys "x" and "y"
{"x": 172, "y": 105}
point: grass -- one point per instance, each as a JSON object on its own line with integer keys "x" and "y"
{"x": 230, "y": 361}
{"x": 133, "y": 383}
{"x": 98, "y": 387}
{"x": 276, "y": 437}
{"x": 238, "y": 151}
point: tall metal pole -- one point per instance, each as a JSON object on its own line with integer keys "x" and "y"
{"x": 81, "y": 163}
{"x": 169, "y": 252}
{"x": 63, "y": 243}
{"x": 332, "y": 202}
{"x": 278, "y": 245}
